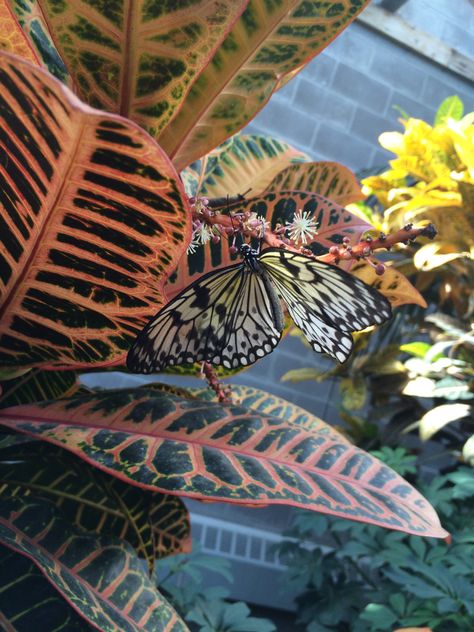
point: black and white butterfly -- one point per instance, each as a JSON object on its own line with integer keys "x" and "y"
{"x": 233, "y": 316}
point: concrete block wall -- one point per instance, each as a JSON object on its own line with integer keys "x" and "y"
{"x": 336, "y": 108}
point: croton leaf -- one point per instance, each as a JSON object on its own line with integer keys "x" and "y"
{"x": 156, "y": 525}
{"x": 242, "y": 164}
{"x": 204, "y": 450}
{"x": 28, "y": 601}
{"x": 93, "y": 219}
{"x": 100, "y": 577}
{"x": 136, "y": 58}
{"x": 12, "y": 38}
{"x": 329, "y": 179}
{"x": 269, "y": 41}
{"x": 263, "y": 402}
{"x": 31, "y": 18}
{"x": 392, "y": 284}
{"x": 334, "y": 224}
{"x": 36, "y": 386}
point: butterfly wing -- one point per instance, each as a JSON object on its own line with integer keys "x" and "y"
{"x": 226, "y": 317}
{"x": 325, "y": 302}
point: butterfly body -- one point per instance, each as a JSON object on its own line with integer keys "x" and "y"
{"x": 233, "y": 316}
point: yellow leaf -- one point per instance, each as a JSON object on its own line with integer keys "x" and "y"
{"x": 354, "y": 392}
{"x": 420, "y": 387}
{"x": 435, "y": 254}
{"x": 438, "y": 417}
{"x": 392, "y": 284}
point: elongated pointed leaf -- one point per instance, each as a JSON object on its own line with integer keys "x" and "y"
{"x": 93, "y": 217}
{"x": 101, "y": 578}
{"x": 12, "y": 38}
{"x": 334, "y": 224}
{"x": 28, "y": 601}
{"x": 37, "y": 386}
{"x": 392, "y": 284}
{"x": 269, "y": 41}
{"x": 226, "y": 452}
{"x": 329, "y": 179}
{"x": 243, "y": 164}
{"x": 134, "y": 57}
{"x": 156, "y": 525}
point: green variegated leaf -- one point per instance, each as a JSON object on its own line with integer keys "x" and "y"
{"x": 133, "y": 57}
{"x": 242, "y": 164}
{"x": 156, "y": 525}
{"x": 269, "y": 41}
{"x": 28, "y": 601}
{"x": 329, "y": 179}
{"x": 100, "y": 577}
{"x": 36, "y": 386}
{"x": 205, "y": 450}
{"x": 92, "y": 219}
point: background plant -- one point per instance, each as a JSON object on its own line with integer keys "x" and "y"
{"x": 357, "y": 577}
{"x": 419, "y": 367}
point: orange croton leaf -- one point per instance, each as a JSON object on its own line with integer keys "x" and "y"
{"x": 93, "y": 218}
{"x": 392, "y": 284}
{"x": 12, "y": 38}
{"x": 270, "y": 41}
{"x": 226, "y": 452}
{"x": 329, "y": 179}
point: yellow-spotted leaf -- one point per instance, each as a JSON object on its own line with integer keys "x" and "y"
{"x": 334, "y": 224}
{"x": 92, "y": 219}
{"x": 12, "y": 38}
{"x": 269, "y": 41}
{"x": 156, "y": 525}
{"x": 36, "y": 386}
{"x": 392, "y": 284}
{"x": 100, "y": 577}
{"x": 243, "y": 164}
{"x": 330, "y": 179}
{"x": 226, "y": 452}
{"x": 134, "y": 57}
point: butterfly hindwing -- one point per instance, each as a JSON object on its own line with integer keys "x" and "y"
{"x": 325, "y": 302}
{"x": 226, "y": 318}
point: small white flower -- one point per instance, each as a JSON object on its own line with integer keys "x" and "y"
{"x": 192, "y": 247}
{"x": 258, "y": 223}
{"x": 201, "y": 235}
{"x": 302, "y": 228}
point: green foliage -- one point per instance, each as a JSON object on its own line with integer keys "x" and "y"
{"x": 360, "y": 578}
{"x": 180, "y": 578}
{"x": 451, "y": 107}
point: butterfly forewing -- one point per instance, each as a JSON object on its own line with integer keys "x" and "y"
{"x": 226, "y": 318}
{"x": 326, "y": 302}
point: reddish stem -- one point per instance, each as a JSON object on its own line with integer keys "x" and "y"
{"x": 367, "y": 246}
{"x": 362, "y": 250}
{"x": 222, "y": 391}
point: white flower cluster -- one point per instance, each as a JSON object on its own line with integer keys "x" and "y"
{"x": 303, "y": 227}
